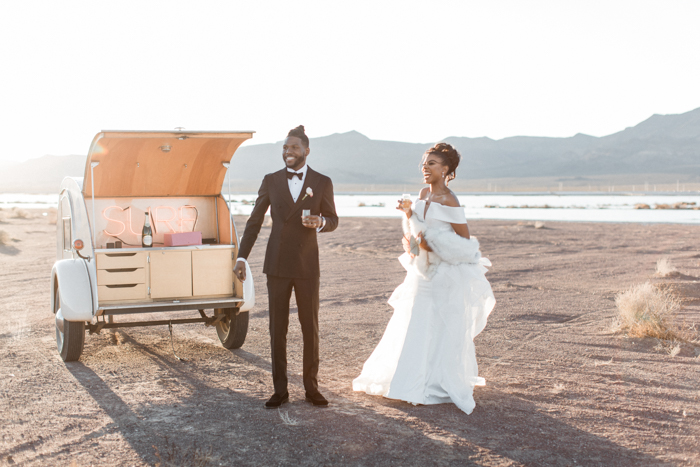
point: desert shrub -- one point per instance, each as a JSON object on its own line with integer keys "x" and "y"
{"x": 664, "y": 268}
{"x": 672, "y": 348}
{"x": 22, "y": 214}
{"x": 175, "y": 456}
{"x": 647, "y": 311}
{"x": 5, "y": 238}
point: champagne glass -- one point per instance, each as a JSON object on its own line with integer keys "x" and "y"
{"x": 406, "y": 197}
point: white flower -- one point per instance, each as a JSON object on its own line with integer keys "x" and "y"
{"x": 309, "y": 192}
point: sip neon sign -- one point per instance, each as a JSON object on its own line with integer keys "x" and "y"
{"x": 163, "y": 217}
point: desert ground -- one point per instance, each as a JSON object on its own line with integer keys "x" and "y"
{"x": 562, "y": 387}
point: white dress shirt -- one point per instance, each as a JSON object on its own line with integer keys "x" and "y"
{"x": 295, "y": 184}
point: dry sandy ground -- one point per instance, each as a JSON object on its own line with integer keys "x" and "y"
{"x": 562, "y": 389}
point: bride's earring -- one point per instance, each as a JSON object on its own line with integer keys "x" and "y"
{"x": 443, "y": 175}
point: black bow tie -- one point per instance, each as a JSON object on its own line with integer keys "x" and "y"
{"x": 290, "y": 175}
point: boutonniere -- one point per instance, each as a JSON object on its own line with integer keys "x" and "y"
{"x": 309, "y": 192}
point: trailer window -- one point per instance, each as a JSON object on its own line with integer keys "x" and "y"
{"x": 67, "y": 240}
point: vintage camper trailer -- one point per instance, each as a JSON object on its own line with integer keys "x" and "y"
{"x": 105, "y": 270}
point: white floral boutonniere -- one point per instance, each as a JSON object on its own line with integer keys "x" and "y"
{"x": 309, "y": 192}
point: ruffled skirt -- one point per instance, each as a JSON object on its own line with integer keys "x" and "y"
{"x": 427, "y": 354}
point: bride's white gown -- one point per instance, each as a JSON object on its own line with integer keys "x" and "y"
{"x": 427, "y": 355}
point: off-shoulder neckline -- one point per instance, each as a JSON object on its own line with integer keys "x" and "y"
{"x": 445, "y": 209}
{"x": 440, "y": 204}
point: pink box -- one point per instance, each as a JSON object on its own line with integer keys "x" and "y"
{"x": 182, "y": 239}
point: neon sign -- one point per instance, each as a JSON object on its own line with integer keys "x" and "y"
{"x": 166, "y": 216}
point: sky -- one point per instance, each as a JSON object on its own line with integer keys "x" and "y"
{"x": 413, "y": 71}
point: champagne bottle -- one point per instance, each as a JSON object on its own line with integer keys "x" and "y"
{"x": 147, "y": 233}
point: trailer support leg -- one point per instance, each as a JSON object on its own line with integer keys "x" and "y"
{"x": 172, "y": 346}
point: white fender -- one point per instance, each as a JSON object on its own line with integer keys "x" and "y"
{"x": 248, "y": 290}
{"x": 74, "y": 289}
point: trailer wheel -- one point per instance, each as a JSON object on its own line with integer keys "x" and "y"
{"x": 70, "y": 335}
{"x": 233, "y": 328}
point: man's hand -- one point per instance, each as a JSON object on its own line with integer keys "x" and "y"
{"x": 239, "y": 270}
{"x": 312, "y": 222}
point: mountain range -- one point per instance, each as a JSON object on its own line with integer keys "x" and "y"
{"x": 662, "y": 144}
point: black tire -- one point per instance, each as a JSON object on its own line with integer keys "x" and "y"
{"x": 70, "y": 341}
{"x": 233, "y": 328}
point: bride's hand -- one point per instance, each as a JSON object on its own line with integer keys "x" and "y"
{"x": 405, "y": 206}
{"x": 422, "y": 243}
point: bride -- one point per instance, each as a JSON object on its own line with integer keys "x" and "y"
{"x": 427, "y": 355}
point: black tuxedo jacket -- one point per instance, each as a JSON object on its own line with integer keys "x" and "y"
{"x": 292, "y": 250}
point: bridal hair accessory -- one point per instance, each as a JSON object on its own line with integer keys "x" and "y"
{"x": 309, "y": 192}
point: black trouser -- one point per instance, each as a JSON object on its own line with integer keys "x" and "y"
{"x": 279, "y": 290}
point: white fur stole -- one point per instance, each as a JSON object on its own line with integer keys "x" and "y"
{"x": 447, "y": 247}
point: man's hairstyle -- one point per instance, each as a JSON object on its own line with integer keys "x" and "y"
{"x": 299, "y": 133}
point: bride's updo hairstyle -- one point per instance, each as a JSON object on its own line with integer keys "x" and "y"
{"x": 450, "y": 157}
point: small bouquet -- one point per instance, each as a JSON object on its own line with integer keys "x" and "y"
{"x": 411, "y": 244}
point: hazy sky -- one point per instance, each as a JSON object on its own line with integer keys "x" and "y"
{"x": 414, "y": 71}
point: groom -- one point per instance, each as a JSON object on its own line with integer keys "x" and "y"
{"x": 291, "y": 259}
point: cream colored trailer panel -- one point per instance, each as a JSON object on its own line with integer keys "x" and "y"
{"x": 212, "y": 272}
{"x": 121, "y": 276}
{"x": 118, "y": 260}
{"x": 119, "y": 292}
{"x": 171, "y": 274}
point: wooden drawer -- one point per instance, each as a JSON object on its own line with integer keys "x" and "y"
{"x": 121, "y": 260}
{"x": 212, "y": 272}
{"x": 121, "y": 276}
{"x": 121, "y": 292}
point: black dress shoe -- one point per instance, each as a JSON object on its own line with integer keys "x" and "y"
{"x": 276, "y": 400}
{"x": 317, "y": 399}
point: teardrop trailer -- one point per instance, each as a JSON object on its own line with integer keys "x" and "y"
{"x": 103, "y": 274}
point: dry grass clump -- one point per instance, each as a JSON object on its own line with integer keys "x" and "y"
{"x": 672, "y": 348}
{"x": 22, "y": 214}
{"x": 647, "y": 311}
{"x": 51, "y": 215}
{"x": 176, "y": 456}
{"x": 5, "y": 238}
{"x": 679, "y": 205}
{"x": 664, "y": 268}
{"x": 3, "y": 215}
{"x": 287, "y": 419}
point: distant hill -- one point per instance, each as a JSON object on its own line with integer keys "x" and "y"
{"x": 662, "y": 144}
{"x": 41, "y": 175}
